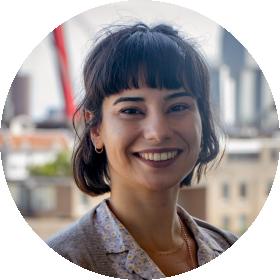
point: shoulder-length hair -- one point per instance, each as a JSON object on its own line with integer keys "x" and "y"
{"x": 129, "y": 57}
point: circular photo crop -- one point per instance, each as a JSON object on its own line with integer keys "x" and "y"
{"x": 139, "y": 140}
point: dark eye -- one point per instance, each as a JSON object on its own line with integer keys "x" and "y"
{"x": 131, "y": 111}
{"x": 179, "y": 108}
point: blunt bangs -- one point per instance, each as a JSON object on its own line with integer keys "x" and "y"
{"x": 145, "y": 57}
{"x": 149, "y": 59}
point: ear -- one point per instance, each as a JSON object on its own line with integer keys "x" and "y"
{"x": 95, "y": 134}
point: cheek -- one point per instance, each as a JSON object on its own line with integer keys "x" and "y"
{"x": 193, "y": 136}
{"x": 118, "y": 137}
{"x": 193, "y": 129}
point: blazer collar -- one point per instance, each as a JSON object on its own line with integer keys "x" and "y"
{"x": 208, "y": 248}
{"x": 117, "y": 240}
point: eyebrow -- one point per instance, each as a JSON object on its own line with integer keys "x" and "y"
{"x": 178, "y": 94}
{"x": 124, "y": 99}
{"x": 141, "y": 99}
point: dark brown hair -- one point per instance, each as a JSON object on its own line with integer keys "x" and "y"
{"x": 128, "y": 57}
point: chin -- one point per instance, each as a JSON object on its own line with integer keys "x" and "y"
{"x": 161, "y": 185}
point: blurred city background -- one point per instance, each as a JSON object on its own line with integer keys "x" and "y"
{"x": 36, "y": 137}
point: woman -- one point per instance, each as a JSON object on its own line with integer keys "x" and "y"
{"x": 148, "y": 131}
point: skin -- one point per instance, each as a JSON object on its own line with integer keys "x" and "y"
{"x": 156, "y": 119}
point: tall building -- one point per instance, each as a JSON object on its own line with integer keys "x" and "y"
{"x": 18, "y": 100}
{"x": 240, "y": 94}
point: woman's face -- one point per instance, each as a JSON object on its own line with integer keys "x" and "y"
{"x": 151, "y": 137}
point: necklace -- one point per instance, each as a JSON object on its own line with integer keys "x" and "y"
{"x": 186, "y": 239}
{"x": 170, "y": 252}
{"x": 185, "y": 242}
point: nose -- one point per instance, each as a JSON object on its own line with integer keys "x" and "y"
{"x": 157, "y": 128}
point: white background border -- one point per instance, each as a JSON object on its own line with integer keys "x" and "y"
{"x": 23, "y": 24}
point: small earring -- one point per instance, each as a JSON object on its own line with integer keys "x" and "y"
{"x": 98, "y": 151}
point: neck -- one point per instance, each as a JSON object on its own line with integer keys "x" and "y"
{"x": 151, "y": 218}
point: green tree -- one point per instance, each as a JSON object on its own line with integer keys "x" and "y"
{"x": 60, "y": 166}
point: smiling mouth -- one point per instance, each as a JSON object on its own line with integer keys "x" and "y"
{"x": 158, "y": 156}
{"x": 159, "y": 159}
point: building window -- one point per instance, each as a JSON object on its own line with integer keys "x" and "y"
{"x": 84, "y": 199}
{"x": 243, "y": 156}
{"x": 274, "y": 154}
{"x": 242, "y": 223}
{"x": 243, "y": 190}
{"x": 225, "y": 191}
{"x": 268, "y": 187}
{"x": 225, "y": 222}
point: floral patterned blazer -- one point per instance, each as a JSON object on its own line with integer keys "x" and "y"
{"x": 100, "y": 243}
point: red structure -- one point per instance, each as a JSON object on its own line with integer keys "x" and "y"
{"x": 58, "y": 36}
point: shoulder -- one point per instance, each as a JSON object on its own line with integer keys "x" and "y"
{"x": 82, "y": 244}
{"x": 223, "y": 238}
{"x": 67, "y": 239}
{"x": 72, "y": 242}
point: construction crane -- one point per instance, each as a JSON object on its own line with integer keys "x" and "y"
{"x": 62, "y": 62}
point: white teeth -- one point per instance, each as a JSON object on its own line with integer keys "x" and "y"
{"x": 163, "y": 156}
{"x": 158, "y": 156}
